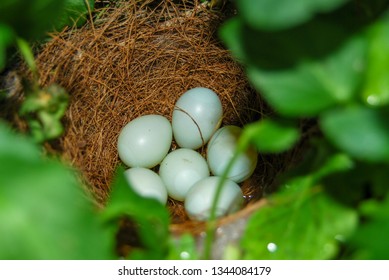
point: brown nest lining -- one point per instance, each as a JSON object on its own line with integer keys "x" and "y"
{"x": 137, "y": 59}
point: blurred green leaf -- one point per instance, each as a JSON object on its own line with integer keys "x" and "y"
{"x": 7, "y": 38}
{"x": 27, "y": 54}
{"x": 375, "y": 90}
{"x": 317, "y": 151}
{"x": 360, "y": 131}
{"x": 336, "y": 163}
{"x": 15, "y": 146}
{"x": 150, "y": 215}
{"x": 43, "y": 210}
{"x": 275, "y": 15}
{"x": 183, "y": 248}
{"x": 362, "y": 181}
{"x": 44, "y": 109}
{"x": 75, "y": 13}
{"x": 283, "y": 49}
{"x": 370, "y": 241}
{"x": 271, "y": 136}
{"x": 296, "y": 78}
{"x": 315, "y": 86}
{"x": 30, "y": 19}
{"x": 301, "y": 222}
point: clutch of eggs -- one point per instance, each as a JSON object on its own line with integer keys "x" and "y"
{"x": 184, "y": 174}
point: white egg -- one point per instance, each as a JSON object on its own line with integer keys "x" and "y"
{"x": 221, "y": 149}
{"x": 196, "y": 116}
{"x": 199, "y": 200}
{"x": 145, "y": 141}
{"x": 146, "y": 183}
{"x": 180, "y": 170}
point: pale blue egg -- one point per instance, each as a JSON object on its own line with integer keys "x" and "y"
{"x": 199, "y": 199}
{"x": 145, "y": 141}
{"x": 146, "y": 183}
{"x": 180, "y": 170}
{"x": 197, "y": 115}
{"x": 221, "y": 149}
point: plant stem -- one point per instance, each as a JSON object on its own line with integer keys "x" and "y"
{"x": 243, "y": 143}
{"x": 28, "y": 56}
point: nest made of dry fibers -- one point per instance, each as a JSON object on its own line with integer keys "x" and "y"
{"x": 137, "y": 58}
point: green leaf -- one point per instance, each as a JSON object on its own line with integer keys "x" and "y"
{"x": 27, "y": 54}
{"x": 312, "y": 87}
{"x": 43, "y": 109}
{"x": 275, "y": 15}
{"x": 370, "y": 241}
{"x": 21, "y": 149}
{"x": 150, "y": 215}
{"x": 43, "y": 210}
{"x": 375, "y": 90}
{"x": 301, "y": 222}
{"x": 271, "y": 136}
{"x": 7, "y": 38}
{"x": 360, "y": 131}
{"x": 295, "y": 93}
{"x": 299, "y": 79}
{"x": 30, "y": 19}
{"x": 75, "y": 13}
{"x": 183, "y": 248}
{"x": 337, "y": 163}
{"x": 363, "y": 180}
{"x": 282, "y": 49}
{"x": 316, "y": 153}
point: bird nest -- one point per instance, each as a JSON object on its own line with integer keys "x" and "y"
{"x": 138, "y": 58}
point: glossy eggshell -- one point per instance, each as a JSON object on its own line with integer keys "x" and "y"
{"x": 221, "y": 149}
{"x": 180, "y": 170}
{"x": 145, "y": 141}
{"x": 146, "y": 183}
{"x": 198, "y": 202}
{"x": 197, "y": 115}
